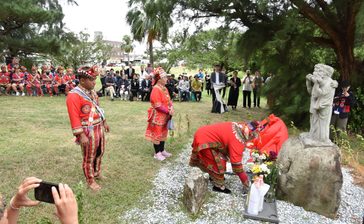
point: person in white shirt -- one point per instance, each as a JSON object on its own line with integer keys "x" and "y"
{"x": 184, "y": 89}
{"x": 247, "y": 89}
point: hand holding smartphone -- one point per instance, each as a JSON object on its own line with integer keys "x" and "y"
{"x": 44, "y": 192}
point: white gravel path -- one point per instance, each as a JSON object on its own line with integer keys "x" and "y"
{"x": 163, "y": 203}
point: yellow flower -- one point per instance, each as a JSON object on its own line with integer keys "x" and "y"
{"x": 256, "y": 168}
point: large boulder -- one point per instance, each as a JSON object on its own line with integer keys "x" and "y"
{"x": 195, "y": 190}
{"x": 310, "y": 176}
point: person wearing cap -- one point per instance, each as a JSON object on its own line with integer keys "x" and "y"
{"x": 214, "y": 145}
{"x": 160, "y": 112}
{"x": 343, "y": 102}
{"x": 88, "y": 124}
{"x": 5, "y": 80}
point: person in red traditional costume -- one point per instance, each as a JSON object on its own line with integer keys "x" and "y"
{"x": 14, "y": 63}
{"x": 88, "y": 124}
{"x": 215, "y": 144}
{"x": 36, "y": 81}
{"x": 159, "y": 114}
{"x": 58, "y": 79}
{"x": 18, "y": 81}
{"x": 5, "y": 80}
{"x": 29, "y": 83}
{"x": 68, "y": 80}
{"x": 47, "y": 79}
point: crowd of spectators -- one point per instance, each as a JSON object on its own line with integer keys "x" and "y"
{"x": 127, "y": 84}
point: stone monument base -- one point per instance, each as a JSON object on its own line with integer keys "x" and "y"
{"x": 310, "y": 176}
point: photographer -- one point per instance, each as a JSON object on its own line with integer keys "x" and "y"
{"x": 65, "y": 202}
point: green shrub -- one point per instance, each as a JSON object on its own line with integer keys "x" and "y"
{"x": 356, "y": 116}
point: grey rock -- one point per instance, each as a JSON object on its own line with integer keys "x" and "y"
{"x": 195, "y": 190}
{"x": 310, "y": 176}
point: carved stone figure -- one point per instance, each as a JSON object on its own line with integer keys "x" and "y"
{"x": 322, "y": 89}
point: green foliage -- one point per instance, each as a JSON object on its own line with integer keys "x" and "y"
{"x": 127, "y": 45}
{"x": 149, "y": 19}
{"x": 78, "y": 50}
{"x": 44, "y": 220}
{"x": 80, "y": 195}
{"x": 356, "y": 116}
{"x": 202, "y": 50}
{"x": 31, "y": 26}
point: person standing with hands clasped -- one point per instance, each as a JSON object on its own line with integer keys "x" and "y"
{"x": 88, "y": 124}
{"x": 160, "y": 112}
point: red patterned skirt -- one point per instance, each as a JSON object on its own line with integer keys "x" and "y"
{"x": 157, "y": 130}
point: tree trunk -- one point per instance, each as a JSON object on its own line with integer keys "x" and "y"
{"x": 151, "y": 56}
{"x": 345, "y": 57}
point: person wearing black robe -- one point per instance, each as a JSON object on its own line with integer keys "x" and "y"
{"x": 235, "y": 83}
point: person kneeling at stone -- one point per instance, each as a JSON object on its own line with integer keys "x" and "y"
{"x": 213, "y": 145}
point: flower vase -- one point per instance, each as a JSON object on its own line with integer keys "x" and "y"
{"x": 270, "y": 197}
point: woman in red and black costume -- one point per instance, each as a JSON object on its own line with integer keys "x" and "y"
{"x": 159, "y": 114}
{"x": 88, "y": 124}
{"x": 215, "y": 144}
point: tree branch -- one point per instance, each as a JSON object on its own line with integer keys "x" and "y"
{"x": 314, "y": 16}
{"x": 324, "y": 42}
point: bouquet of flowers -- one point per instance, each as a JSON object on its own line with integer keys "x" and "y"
{"x": 262, "y": 163}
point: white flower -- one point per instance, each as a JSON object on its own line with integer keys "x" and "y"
{"x": 262, "y": 157}
{"x": 254, "y": 154}
{"x": 264, "y": 168}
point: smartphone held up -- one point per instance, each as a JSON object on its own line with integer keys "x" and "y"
{"x": 44, "y": 192}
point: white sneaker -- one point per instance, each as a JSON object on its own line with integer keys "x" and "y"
{"x": 159, "y": 156}
{"x": 23, "y": 94}
{"x": 17, "y": 94}
{"x": 166, "y": 154}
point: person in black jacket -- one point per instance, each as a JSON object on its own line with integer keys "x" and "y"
{"x": 134, "y": 88}
{"x": 343, "y": 102}
{"x": 130, "y": 72}
{"x": 146, "y": 88}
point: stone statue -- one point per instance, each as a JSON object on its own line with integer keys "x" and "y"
{"x": 322, "y": 90}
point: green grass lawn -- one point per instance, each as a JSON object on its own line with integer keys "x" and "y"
{"x": 36, "y": 140}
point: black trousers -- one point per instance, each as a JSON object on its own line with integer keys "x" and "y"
{"x": 247, "y": 97}
{"x": 256, "y": 97}
{"x": 197, "y": 96}
{"x": 159, "y": 148}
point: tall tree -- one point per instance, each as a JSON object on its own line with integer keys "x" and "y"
{"x": 336, "y": 22}
{"x": 149, "y": 19}
{"x": 127, "y": 46}
{"x": 31, "y": 26}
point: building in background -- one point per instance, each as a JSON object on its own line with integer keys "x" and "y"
{"x": 118, "y": 57}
